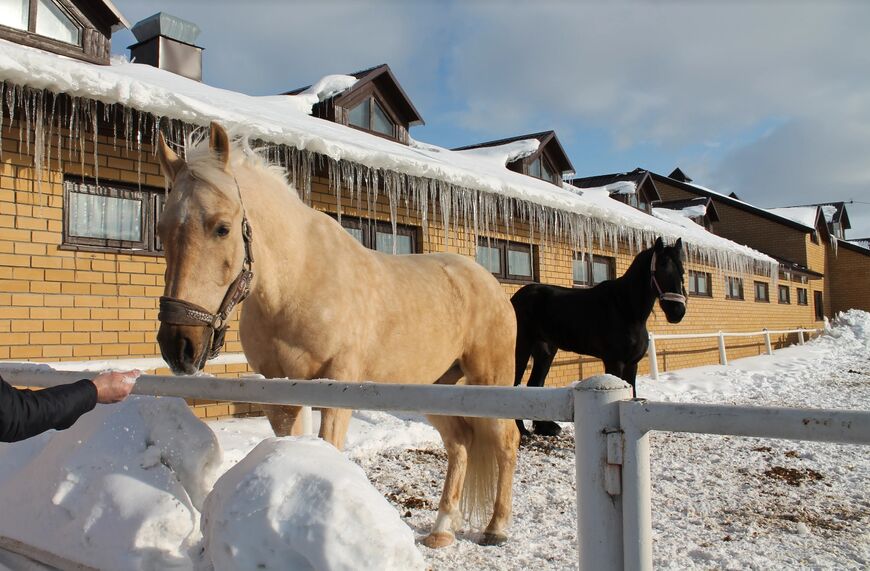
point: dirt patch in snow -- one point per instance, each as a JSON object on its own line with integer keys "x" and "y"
{"x": 793, "y": 476}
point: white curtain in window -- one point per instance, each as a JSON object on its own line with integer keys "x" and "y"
{"x": 581, "y": 271}
{"x": 52, "y": 22}
{"x": 14, "y": 13}
{"x": 489, "y": 258}
{"x": 105, "y": 217}
{"x": 519, "y": 263}
{"x": 384, "y": 243}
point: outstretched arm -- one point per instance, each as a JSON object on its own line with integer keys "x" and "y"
{"x": 25, "y": 413}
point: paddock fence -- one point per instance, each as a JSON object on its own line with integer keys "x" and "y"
{"x": 652, "y": 350}
{"x": 611, "y": 433}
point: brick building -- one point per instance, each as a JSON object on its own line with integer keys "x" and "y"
{"x": 80, "y": 194}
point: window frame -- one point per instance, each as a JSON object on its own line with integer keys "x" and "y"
{"x": 503, "y": 246}
{"x": 819, "y": 305}
{"x": 150, "y": 199}
{"x": 739, "y": 281}
{"x": 366, "y": 96}
{"x": 547, "y": 163}
{"x": 693, "y": 284}
{"x": 805, "y": 296}
{"x": 89, "y": 48}
{"x": 783, "y": 288}
{"x": 589, "y": 261}
{"x": 369, "y": 229}
{"x": 766, "y": 287}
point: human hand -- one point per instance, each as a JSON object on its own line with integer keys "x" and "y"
{"x": 114, "y": 386}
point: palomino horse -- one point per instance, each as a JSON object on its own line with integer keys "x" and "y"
{"x": 607, "y": 321}
{"x": 323, "y": 306}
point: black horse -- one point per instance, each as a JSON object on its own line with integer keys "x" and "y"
{"x": 607, "y": 321}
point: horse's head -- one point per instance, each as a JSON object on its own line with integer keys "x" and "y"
{"x": 203, "y": 230}
{"x": 666, "y": 276}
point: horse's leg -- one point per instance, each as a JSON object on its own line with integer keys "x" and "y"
{"x": 333, "y": 425}
{"x": 621, "y": 369}
{"x": 284, "y": 419}
{"x": 522, "y": 355}
{"x": 544, "y": 355}
{"x": 492, "y": 453}
{"x": 456, "y": 434}
{"x": 629, "y": 373}
{"x": 497, "y": 434}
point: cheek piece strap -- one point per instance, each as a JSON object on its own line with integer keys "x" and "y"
{"x": 664, "y": 295}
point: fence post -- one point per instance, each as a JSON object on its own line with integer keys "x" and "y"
{"x": 801, "y": 335}
{"x": 599, "y": 500}
{"x": 653, "y": 360}
{"x": 636, "y": 505}
{"x": 307, "y": 422}
{"x": 723, "y": 358}
{"x": 767, "y": 341}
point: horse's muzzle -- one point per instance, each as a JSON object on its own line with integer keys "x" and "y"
{"x": 181, "y": 347}
{"x": 674, "y": 310}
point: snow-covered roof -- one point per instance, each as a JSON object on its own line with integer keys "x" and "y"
{"x": 805, "y": 215}
{"x": 469, "y": 179}
{"x": 862, "y": 242}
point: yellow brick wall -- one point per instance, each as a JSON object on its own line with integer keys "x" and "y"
{"x": 850, "y": 270}
{"x": 64, "y": 304}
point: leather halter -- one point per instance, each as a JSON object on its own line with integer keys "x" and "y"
{"x": 175, "y": 311}
{"x": 664, "y": 295}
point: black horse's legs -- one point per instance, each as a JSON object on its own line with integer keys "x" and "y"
{"x": 544, "y": 355}
{"x": 523, "y": 353}
{"x": 629, "y": 373}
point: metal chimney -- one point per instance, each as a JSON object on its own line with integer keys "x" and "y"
{"x": 167, "y": 42}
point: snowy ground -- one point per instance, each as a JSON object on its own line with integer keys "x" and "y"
{"x": 718, "y": 502}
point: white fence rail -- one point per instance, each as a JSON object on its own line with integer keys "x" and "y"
{"x": 611, "y": 433}
{"x": 720, "y": 335}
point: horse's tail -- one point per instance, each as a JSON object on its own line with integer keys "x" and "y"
{"x": 481, "y": 477}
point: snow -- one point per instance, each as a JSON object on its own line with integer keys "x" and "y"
{"x": 298, "y": 503}
{"x": 804, "y": 215}
{"x": 467, "y": 185}
{"x": 864, "y": 243}
{"x": 100, "y": 492}
{"x": 829, "y": 211}
{"x": 622, "y": 187}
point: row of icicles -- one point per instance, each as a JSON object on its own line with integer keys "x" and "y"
{"x": 77, "y": 122}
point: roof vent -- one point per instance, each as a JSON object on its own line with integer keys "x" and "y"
{"x": 167, "y": 42}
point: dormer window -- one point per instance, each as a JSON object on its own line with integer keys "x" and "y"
{"x": 541, "y": 168}
{"x": 370, "y": 115}
{"x": 41, "y": 17}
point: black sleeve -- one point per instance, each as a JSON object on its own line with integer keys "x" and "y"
{"x": 25, "y": 413}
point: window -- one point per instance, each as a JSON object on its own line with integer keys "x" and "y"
{"x": 819, "y": 305}
{"x": 733, "y": 288}
{"x": 633, "y": 199}
{"x": 370, "y": 115}
{"x": 111, "y": 216}
{"x": 802, "y": 296}
{"x": 699, "y": 284}
{"x": 784, "y": 294}
{"x": 507, "y": 260}
{"x": 592, "y": 270}
{"x": 379, "y": 235}
{"x": 762, "y": 292}
{"x": 43, "y": 17}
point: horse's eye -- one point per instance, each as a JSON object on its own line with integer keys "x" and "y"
{"x": 222, "y": 230}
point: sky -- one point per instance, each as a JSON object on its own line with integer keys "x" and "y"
{"x": 770, "y": 100}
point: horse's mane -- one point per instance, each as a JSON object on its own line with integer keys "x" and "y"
{"x": 204, "y": 165}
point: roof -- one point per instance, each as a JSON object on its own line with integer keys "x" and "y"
{"x": 545, "y": 138}
{"x": 678, "y": 174}
{"x": 120, "y": 21}
{"x": 705, "y": 201}
{"x": 731, "y": 201}
{"x": 566, "y": 212}
{"x": 383, "y": 77}
{"x": 639, "y": 176}
{"x": 788, "y": 265}
{"x": 806, "y": 215}
{"x": 835, "y": 213}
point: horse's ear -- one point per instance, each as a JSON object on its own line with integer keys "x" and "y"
{"x": 219, "y": 143}
{"x": 659, "y": 244}
{"x": 678, "y": 244}
{"x": 170, "y": 163}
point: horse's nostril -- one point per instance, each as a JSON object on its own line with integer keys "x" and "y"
{"x": 187, "y": 350}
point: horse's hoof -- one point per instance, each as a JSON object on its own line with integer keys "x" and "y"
{"x": 489, "y": 538}
{"x": 438, "y": 539}
{"x": 546, "y": 428}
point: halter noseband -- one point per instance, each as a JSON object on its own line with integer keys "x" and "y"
{"x": 663, "y": 295}
{"x": 175, "y": 311}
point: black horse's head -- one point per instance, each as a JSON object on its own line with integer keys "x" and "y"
{"x": 666, "y": 277}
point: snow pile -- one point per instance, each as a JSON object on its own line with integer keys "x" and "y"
{"x": 328, "y": 86}
{"x": 298, "y": 503}
{"x": 621, "y": 187}
{"x": 119, "y": 490}
{"x": 501, "y": 155}
{"x": 829, "y": 211}
{"x": 848, "y": 329}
